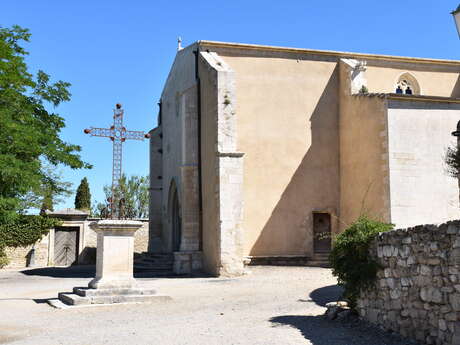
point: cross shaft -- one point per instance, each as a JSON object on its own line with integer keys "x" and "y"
{"x": 118, "y": 134}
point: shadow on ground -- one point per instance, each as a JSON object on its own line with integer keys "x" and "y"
{"x": 326, "y": 294}
{"x": 89, "y": 271}
{"x": 321, "y": 331}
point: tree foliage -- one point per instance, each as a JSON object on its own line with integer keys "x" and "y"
{"x": 83, "y": 196}
{"x": 29, "y": 136}
{"x": 350, "y": 259}
{"x": 30, "y": 146}
{"x": 135, "y": 192}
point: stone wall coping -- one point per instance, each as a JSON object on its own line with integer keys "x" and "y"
{"x": 95, "y": 219}
{"x": 116, "y": 224}
{"x": 450, "y": 225}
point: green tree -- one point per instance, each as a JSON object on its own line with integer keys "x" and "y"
{"x": 29, "y": 143}
{"x": 83, "y": 196}
{"x": 51, "y": 191}
{"x": 100, "y": 210}
{"x": 135, "y": 192}
{"x": 29, "y": 139}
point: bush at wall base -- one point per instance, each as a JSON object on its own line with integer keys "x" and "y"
{"x": 351, "y": 263}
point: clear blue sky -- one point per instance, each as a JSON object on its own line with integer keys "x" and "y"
{"x": 121, "y": 51}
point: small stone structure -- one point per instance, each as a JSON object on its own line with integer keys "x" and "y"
{"x": 114, "y": 281}
{"x": 417, "y": 292}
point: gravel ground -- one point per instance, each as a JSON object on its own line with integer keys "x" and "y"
{"x": 270, "y": 305}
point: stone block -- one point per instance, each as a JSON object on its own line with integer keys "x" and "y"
{"x": 187, "y": 262}
{"x": 452, "y": 229}
{"x": 86, "y": 292}
{"x": 76, "y": 300}
{"x": 454, "y": 300}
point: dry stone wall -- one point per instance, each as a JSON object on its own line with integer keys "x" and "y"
{"x": 20, "y": 257}
{"x": 417, "y": 293}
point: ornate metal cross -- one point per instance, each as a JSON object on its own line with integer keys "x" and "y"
{"x": 118, "y": 134}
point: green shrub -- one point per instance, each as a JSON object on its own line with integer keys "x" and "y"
{"x": 22, "y": 231}
{"x": 350, "y": 259}
{"x": 363, "y": 90}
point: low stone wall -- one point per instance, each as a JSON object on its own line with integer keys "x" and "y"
{"x": 417, "y": 293}
{"x": 20, "y": 257}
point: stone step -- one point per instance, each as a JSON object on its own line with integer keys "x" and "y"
{"x": 151, "y": 272}
{"x": 156, "y": 255}
{"x": 281, "y": 260}
{"x": 72, "y": 299}
{"x": 76, "y": 300}
{"x": 321, "y": 255}
{"x": 319, "y": 263}
{"x": 159, "y": 264}
{"x": 159, "y": 267}
{"x": 87, "y": 292}
{"x": 155, "y": 261}
{"x": 143, "y": 263}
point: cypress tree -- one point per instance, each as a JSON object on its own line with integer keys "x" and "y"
{"x": 83, "y": 196}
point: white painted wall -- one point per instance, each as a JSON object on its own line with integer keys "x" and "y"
{"x": 421, "y": 192}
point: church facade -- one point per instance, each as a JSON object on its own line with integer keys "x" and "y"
{"x": 263, "y": 152}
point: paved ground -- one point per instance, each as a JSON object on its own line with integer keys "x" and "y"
{"x": 269, "y": 306}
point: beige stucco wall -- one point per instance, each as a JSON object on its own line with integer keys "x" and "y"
{"x": 363, "y": 159}
{"x": 287, "y": 113}
{"x": 421, "y": 190}
{"x": 364, "y": 184}
{"x": 433, "y": 80}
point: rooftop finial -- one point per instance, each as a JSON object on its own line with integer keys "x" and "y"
{"x": 179, "y": 43}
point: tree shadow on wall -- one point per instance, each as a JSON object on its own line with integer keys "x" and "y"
{"x": 289, "y": 227}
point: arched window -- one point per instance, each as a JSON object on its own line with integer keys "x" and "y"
{"x": 407, "y": 84}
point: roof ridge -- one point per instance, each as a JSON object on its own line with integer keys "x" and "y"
{"x": 326, "y": 52}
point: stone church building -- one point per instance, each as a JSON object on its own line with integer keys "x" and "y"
{"x": 260, "y": 150}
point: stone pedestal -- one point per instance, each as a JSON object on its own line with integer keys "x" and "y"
{"x": 114, "y": 281}
{"x": 115, "y": 250}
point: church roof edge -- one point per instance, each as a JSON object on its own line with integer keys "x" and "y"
{"x": 247, "y": 46}
{"x": 420, "y": 98}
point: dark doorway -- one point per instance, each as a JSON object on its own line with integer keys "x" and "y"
{"x": 176, "y": 223}
{"x": 322, "y": 232}
{"x": 65, "y": 245}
